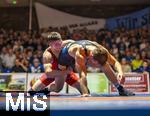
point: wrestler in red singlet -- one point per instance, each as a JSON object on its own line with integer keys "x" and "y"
{"x": 71, "y": 77}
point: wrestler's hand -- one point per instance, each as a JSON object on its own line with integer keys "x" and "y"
{"x": 47, "y": 67}
{"x": 119, "y": 76}
{"x": 85, "y": 95}
{"x": 62, "y": 68}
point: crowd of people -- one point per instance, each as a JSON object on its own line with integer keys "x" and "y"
{"x": 22, "y": 51}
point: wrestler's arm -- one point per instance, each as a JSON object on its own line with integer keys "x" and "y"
{"x": 81, "y": 68}
{"x": 80, "y": 63}
{"x": 47, "y": 58}
{"x": 113, "y": 61}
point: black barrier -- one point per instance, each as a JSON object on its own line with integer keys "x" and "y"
{"x": 133, "y": 112}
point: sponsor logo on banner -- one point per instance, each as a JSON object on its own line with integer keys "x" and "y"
{"x": 135, "y": 82}
{"x": 131, "y": 21}
{"x": 58, "y": 19}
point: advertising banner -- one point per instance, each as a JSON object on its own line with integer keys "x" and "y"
{"x": 49, "y": 17}
{"x": 132, "y": 21}
{"x": 32, "y": 78}
{"x": 5, "y": 79}
{"x": 135, "y": 82}
{"x": 13, "y": 81}
{"x": 97, "y": 83}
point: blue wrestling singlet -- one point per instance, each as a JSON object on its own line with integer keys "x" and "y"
{"x": 65, "y": 59}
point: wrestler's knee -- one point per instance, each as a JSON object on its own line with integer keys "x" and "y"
{"x": 58, "y": 89}
{"x": 46, "y": 81}
{"x": 55, "y": 88}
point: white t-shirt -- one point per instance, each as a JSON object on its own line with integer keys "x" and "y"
{"x": 9, "y": 60}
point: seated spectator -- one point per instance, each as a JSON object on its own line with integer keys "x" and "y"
{"x": 143, "y": 55}
{"x": 144, "y": 68}
{"x": 36, "y": 67}
{"x": 19, "y": 67}
{"x": 129, "y": 56}
{"x": 125, "y": 66}
{"x": 17, "y": 46}
{"x": 136, "y": 63}
{"x": 9, "y": 59}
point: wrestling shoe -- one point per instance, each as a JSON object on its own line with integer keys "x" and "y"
{"x": 45, "y": 91}
{"x": 123, "y": 92}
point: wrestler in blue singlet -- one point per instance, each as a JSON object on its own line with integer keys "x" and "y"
{"x": 65, "y": 59}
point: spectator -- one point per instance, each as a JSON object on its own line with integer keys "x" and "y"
{"x": 17, "y": 46}
{"x": 28, "y": 46}
{"x": 19, "y": 66}
{"x": 9, "y": 59}
{"x": 125, "y": 66}
{"x": 144, "y": 68}
{"x": 115, "y": 50}
{"x": 136, "y": 63}
{"x": 143, "y": 55}
{"x": 128, "y": 56}
{"x": 36, "y": 67}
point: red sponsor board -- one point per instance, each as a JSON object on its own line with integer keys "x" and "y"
{"x": 135, "y": 82}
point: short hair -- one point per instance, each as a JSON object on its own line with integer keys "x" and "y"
{"x": 100, "y": 55}
{"x": 54, "y": 36}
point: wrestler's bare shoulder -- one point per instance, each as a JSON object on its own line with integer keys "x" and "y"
{"x": 47, "y": 53}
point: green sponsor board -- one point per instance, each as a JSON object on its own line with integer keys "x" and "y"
{"x": 12, "y": 82}
{"x": 2, "y": 87}
{"x": 97, "y": 83}
{"x": 18, "y": 82}
{"x": 4, "y": 81}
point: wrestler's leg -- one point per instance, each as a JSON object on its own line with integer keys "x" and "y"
{"x": 40, "y": 84}
{"x": 74, "y": 81}
{"x": 110, "y": 74}
{"x": 58, "y": 85}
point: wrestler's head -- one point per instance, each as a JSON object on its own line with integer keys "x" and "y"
{"x": 98, "y": 56}
{"x": 55, "y": 40}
